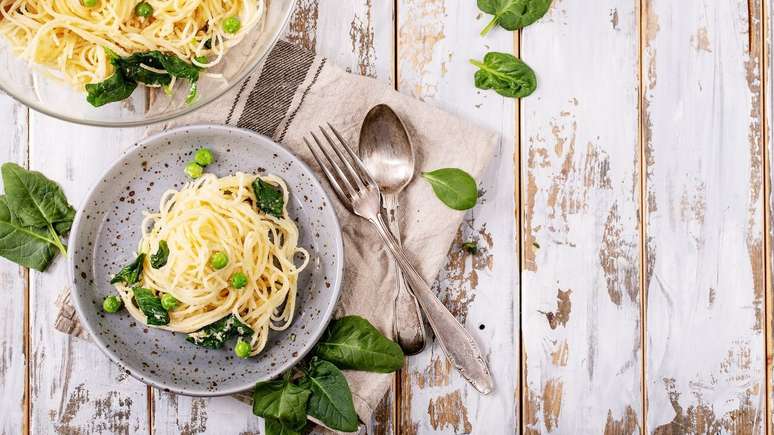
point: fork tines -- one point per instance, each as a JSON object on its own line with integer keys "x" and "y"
{"x": 346, "y": 173}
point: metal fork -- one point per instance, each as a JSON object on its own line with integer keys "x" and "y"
{"x": 360, "y": 194}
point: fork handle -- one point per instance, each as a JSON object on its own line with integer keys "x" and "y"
{"x": 456, "y": 342}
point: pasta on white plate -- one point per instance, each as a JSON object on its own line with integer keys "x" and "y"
{"x": 79, "y": 41}
{"x": 226, "y": 252}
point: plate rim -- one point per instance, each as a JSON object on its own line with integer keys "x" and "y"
{"x": 135, "y": 149}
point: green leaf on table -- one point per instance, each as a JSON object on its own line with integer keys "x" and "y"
{"x": 331, "y": 399}
{"x": 513, "y": 14}
{"x": 283, "y": 401}
{"x": 27, "y": 246}
{"x": 506, "y": 74}
{"x": 159, "y": 259}
{"x": 454, "y": 187}
{"x": 130, "y": 274}
{"x": 35, "y": 200}
{"x": 150, "y": 305}
{"x": 272, "y": 426}
{"x": 215, "y": 335}
{"x": 353, "y": 343}
{"x": 270, "y": 197}
{"x": 63, "y": 227}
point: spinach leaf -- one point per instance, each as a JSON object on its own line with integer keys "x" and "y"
{"x": 283, "y": 401}
{"x": 272, "y": 426}
{"x": 470, "y": 247}
{"x": 215, "y": 335}
{"x": 270, "y": 197}
{"x": 28, "y": 246}
{"x": 129, "y": 71}
{"x": 353, "y": 343}
{"x": 150, "y": 304}
{"x": 513, "y": 14}
{"x": 454, "y": 187}
{"x": 331, "y": 399}
{"x": 159, "y": 259}
{"x": 506, "y": 74}
{"x": 115, "y": 88}
{"x": 37, "y": 201}
{"x": 130, "y": 274}
{"x": 63, "y": 227}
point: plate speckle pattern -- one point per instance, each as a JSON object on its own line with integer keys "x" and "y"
{"x": 105, "y": 238}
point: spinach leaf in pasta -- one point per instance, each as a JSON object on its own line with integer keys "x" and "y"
{"x": 270, "y": 197}
{"x": 150, "y": 305}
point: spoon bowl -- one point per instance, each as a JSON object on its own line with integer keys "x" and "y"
{"x": 386, "y": 149}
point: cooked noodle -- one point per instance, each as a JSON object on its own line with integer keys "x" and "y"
{"x": 219, "y": 215}
{"x": 71, "y": 38}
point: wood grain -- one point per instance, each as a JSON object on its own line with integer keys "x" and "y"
{"x": 75, "y": 389}
{"x": 705, "y": 274}
{"x": 435, "y": 40}
{"x": 13, "y": 282}
{"x": 581, "y": 238}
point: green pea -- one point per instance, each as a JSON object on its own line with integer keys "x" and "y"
{"x": 232, "y": 24}
{"x": 112, "y": 304}
{"x": 143, "y": 9}
{"x": 194, "y": 170}
{"x": 203, "y": 157}
{"x": 242, "y": 349}
{"x": 169, "y": 302}
{"x": 219, "y": 260}
{"x": 238, "y": 280}
{"x": 89, "y": 3}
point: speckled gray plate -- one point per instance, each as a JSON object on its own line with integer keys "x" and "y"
{"x": 105, "y": 237}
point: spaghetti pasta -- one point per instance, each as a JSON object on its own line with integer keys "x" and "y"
{"x": 70, "y": 38}
{"x": 213, "y": 215}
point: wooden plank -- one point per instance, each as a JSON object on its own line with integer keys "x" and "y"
{"x": 74, "y": 388}
{"x": 705, "y": 274}
{"x": 767, "y": 37}
{"x": 435, "y": 40}
{"x": 13, "y": 282}
{"x": 581, "y": 241}
{"x": 367, "y": 27}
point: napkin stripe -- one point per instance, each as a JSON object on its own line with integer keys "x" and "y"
{"x": 268, "y": 102}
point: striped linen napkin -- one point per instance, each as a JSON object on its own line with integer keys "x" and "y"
{"x": 292, "y": 93}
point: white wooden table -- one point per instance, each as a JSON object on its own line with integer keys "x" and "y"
{"x": 624, "y": 281}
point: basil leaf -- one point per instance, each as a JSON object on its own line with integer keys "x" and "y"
{"x": 27, "y": 246}
{"x": 130, "y": 274}
{"x": 159, "y": 259}
{"x": 115, "y": 88}
{"x": 506, "y": 74}
{"x": 272, "y": 426}
{"x": 283, "y": 401}
{"x": 454, "y": 187}
{"x": 331, "y": 399}
{"x": 513, "y": 14}
{"x": 150, "y": 305}
{"x": 353, "y": 343}
{"x": 35, "y": 200}
{"x": 270, "y": 197}
{"x": 215, "y": 335}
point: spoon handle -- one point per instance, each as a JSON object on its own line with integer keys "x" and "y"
{"x": 456, "y": 342}
{"x": 408, "y": 325}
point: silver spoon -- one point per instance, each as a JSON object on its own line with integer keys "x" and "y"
{"x": 388, "y": 155}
